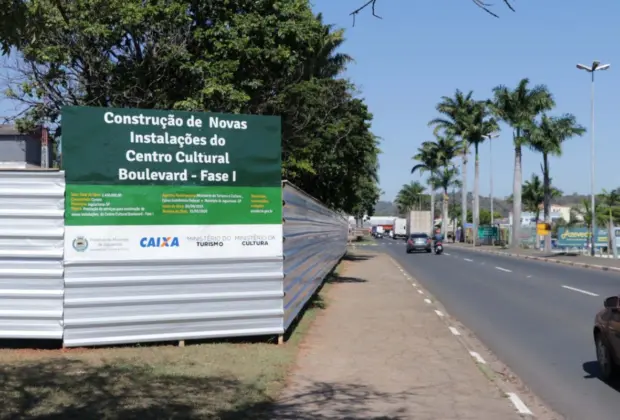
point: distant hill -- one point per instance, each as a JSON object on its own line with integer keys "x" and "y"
{"x": 500, "y": 205}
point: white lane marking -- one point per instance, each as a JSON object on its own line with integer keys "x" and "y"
{"x": 445, "y": 253}
{"x": 519, "y": 405}
{"x": 413, "y": 284}
{"x": 420, "y": 292}
{"x": 585, "y": 292}
{"x": 478, "y": 358}
{"x": 427, "y": 301}
{"x": 467, "y": 259}
{"x": 504, "y": 269}
{"x": 439, "y": 313}
{"x": 454, "y": 331}
{"x": 528, "y": 277}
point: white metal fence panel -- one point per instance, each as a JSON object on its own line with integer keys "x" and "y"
{"x": 31, "y": 254}
{"x": 315, "y": 239}
{"x": 109, "y": 303}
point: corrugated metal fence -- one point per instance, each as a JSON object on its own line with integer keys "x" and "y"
{"x": 130, "y": 302}
{"x": 31, "y": 254}
{"x": 315, "y": 239}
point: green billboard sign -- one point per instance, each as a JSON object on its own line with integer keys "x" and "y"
{"x": 141, "y": 182}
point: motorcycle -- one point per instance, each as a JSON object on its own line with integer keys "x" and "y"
{"x": 438, "y": 248}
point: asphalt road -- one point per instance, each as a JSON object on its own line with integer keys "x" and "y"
{"x": 536, "y": 317}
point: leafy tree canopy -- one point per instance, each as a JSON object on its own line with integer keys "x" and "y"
{"x": 272, "y": 57}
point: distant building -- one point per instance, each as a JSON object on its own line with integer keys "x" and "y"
{"x": 528, "y": 218}
{"x": 21, "y": 151}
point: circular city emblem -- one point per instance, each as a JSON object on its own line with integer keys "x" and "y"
{"x": 80, "y": 244}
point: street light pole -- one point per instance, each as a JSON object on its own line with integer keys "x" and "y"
{"x": 490, "y": 138}
{"x": 596, "y": 66}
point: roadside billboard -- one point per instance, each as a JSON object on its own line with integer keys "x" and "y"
{"x": 151, "y": 185}
{"x": 578, "y": 237}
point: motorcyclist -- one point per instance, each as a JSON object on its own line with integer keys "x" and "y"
{"x": 437, "y": 237}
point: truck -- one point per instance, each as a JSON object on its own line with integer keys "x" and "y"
{"x": 377, "y": 231}
{"x": 419, "y": 221}
{"x": 400, "y": 228}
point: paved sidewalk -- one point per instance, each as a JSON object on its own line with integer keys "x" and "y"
{"x": 378, "y": 351}
{"x": 566, "y": 258}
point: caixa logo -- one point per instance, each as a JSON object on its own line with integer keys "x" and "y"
{"x": 159, "y": 242}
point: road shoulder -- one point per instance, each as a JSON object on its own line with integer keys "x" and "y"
{"x": 382, "y": 350}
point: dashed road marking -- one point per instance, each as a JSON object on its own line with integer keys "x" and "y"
{"x": 528, "y": 277}
{"x": 420, "y": 292}
{"x": 439, "y": 313}
{"x": 427, "y": 301}
{"x": 585, "y": 292}
{"x": 454, "y": 331}
{"x": 467, "y": 259}
{"x": 504, "y": 269}
{"x": 445, "y": 253}
{"x": 519, "y": 405}
{"x": 477, "y": 357}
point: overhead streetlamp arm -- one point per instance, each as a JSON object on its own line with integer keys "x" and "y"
{"x": 584, "y": 67}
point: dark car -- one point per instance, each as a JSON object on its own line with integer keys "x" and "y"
{"x": 607, "y": 338}
{"x": 418, "y": 242}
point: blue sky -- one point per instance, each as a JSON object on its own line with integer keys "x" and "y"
{"x": 420, "y": 51}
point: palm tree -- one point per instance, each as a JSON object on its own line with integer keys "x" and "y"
{"x": 453, "y": 113}
{"x": 584, "y": 212}
{"x": 324, "y": 62}
{"x": 610, "y": 201}
{"x": 409, "y": 196}
{"x": 534, "y": 194}
{"x": 428, "y": 157}
{"x": 448, "y": 147}
{"x": 547, "y": 137}
{"x": 519, "y": 108}
{"x": 443, "y": 179}
{"x": 479, "y": 126}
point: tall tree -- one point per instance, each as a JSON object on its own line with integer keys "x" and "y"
{"x": 268, "y": 57}
{"x": 534, "y": 195}
{"x": 410, "y": 196}
{"x": 429, "y": 161}
{"x": 447, "y": 148}
{"x": 444, "y": 178}
{"x": 547, "y": 138}
{"x": 519, "y": 108}
{"x": 453, "y": 115}
{"x": 479, "y": 125}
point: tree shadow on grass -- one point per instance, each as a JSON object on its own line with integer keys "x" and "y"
{"x": 58, "y": 389}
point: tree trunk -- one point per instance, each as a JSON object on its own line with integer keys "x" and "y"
{"x": 464, "y": 195}
{"x": 444, "y": 214}
{"x": 432, "y": 210}
{"x": 547, "y": 199}
{"x": 516, "y": 196}
{"x": 476, "y": 209}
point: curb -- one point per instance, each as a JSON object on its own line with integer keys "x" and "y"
{"x": 547, "y": 260}
{"x": 493, "y": 376}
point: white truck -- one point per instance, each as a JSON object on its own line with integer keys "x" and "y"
{"x": 419, "y": 221}
{"x": 400, "y": 228}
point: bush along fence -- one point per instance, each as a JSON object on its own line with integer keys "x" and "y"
{"x": 162, "y": 226}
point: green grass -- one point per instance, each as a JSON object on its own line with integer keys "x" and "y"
{"x": 231, "y": 380}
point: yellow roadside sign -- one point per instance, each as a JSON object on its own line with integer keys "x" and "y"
{"x": 543, "y": 228}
